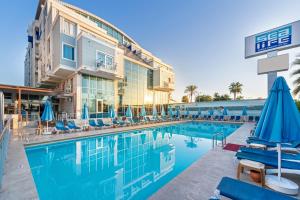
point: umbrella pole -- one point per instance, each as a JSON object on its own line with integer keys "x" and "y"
{"x": 47, "y": 126}
{"x": 279, "y": 160}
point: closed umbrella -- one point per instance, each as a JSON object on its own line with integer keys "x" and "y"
{"x": 154, "y": 111}
{"x": 187, "y": 112}
{"x": 129, "y": 112}
{"x": 170, "y": 113}
{"x": 85, "y": 112}
{"x": 48, "y": 114}
{"x": 143, "y": 112}
{"x": 244, "y": 112}
{"x": 177, "y": 112}
{"x": 279, "y": 123}
{"x": 199, "y": 112}
{"x": 112, "y": 113}
{"x": 225, "y": 111}
{"x": 163, "y": 113}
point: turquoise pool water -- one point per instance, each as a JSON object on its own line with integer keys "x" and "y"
{"x": 129, "y": 165}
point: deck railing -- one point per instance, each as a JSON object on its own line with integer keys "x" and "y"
{"x": 4, "y": 141}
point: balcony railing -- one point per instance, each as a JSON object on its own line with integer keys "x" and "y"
{"x": 100, "y": 65}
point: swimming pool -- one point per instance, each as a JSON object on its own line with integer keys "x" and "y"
{"x": 130, "y": 165}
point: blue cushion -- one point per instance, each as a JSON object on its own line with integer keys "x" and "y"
{"x": 235, "y": 189}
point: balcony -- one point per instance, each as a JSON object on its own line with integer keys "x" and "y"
{"x": 103, "y": 70}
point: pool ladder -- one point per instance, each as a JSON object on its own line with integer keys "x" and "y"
{"x": 215, "y": 139}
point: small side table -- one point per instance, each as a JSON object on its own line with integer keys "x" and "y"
{"x": 252, "y": 165}
{"x": 258, "y": 146}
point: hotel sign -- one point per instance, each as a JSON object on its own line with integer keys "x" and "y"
{"x": 273, "y": 39}
{"x": 277, "y": 39}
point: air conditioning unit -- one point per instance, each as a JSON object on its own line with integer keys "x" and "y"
{"x": 68, "y": 88}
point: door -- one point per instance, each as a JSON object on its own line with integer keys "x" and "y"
{"x": 99, "y": 106}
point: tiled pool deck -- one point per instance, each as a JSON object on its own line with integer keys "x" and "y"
{"x": 196, "y": 182}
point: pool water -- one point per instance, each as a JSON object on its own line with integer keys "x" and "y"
{"x": 129, "y": 165}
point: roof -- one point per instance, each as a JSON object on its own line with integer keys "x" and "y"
{"x": 4, "y": 88}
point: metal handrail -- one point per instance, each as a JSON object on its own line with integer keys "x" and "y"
{"x": 4, "y": 141}
{"x": 215, "y": 139}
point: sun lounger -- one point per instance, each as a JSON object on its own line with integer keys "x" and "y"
{"x": 232, "y": 118}
{"x": 72, "y": 125}
{"x": 236, "y": 189}
{"x": 61, "y": 127}
{"x": 253, "y": 139}
{"x": 284, "y": 156}
{"x": 287, "y": 166}
{"x": 256, "y": 119}
{"x": 237, "y": 118}
{"x": 250, "y": 119}
{"x": 216, "y": 117}
{"x": 93, "y": 124}
{"x": 221, "y": 118}
{"x": 101, "y": 123}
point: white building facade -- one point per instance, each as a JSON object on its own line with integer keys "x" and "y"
{"x": 88, "y": 60}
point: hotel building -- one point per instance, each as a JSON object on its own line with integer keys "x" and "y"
{"x": 84, "y": 58}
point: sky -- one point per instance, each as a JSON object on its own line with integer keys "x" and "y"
{"x": 202, "y": 39}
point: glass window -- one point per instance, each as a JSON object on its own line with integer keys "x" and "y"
{"x": 69, "y": 28}
{"x": 68, "y": 52}
{"x": 109, "y": 61}
{"x": 100, "y": 59}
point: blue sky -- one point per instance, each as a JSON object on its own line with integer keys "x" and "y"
{"x": 203, "y": 40}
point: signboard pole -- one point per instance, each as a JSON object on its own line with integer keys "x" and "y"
{"x": 271, "y": 75}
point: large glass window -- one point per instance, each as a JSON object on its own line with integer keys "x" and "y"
{"x": 103, "y": 60}
{"x": 95, "y": 90}
{"x": 68, "y": 52}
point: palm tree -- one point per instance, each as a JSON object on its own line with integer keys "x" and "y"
{"x": 296, "y": 73}
{"x": 235, "y": 88}
{"x": 191, "y": 90}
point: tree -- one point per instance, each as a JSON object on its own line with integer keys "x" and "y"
{"x": 191, "y": 90}
{"x": 235, "y": 88}
{"x": 201, "y": 98}
{"x": 239, "y": 97}
{"x": 296, "y": 73}
{"x": 185, "y": 99}
{"x": 218, "y": 97}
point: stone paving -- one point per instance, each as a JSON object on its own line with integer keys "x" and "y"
{"x": 200, "y": 180}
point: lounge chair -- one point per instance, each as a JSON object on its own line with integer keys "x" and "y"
{"x": 237, "y": 118}
{"x": 216, "y": 118}
{"x": 286, "y": 165}
{"x": 73, "y": 126}
{"x": 60, "y": 126}
{"x": 93, "y": 124}
{"x": 232, "y": 118}
{"x": 236, "y": 189}
{"x": 250, "y": 119}
{"x": 117, "y": 122}
{"x": 256, "y": 119}
{"x": 101, "y": 123}
{"x": 284, "y": 156}
{"x": 253, "y": 139}
{"x": 221, "y": 118}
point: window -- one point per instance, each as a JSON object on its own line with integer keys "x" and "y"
{"x": 69, "y": 28}
{"x": 68, "y": 52}
{"x": 103, "y": 60}
{"x": 109, "y": 61}
{"x": 100, "y": 59}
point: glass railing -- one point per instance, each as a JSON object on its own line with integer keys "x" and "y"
{"x": 105, "y": 67}
{"x": 4, "y": 139}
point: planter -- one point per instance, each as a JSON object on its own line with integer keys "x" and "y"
{"x": 255, "y": 176}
